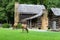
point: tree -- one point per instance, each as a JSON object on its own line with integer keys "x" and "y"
{"x": 7, "y": 10}
{"x": 51, "y": 3}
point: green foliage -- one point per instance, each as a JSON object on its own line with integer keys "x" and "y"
{"x": 5, "y": 25}
{"x": 51, "y": 3}
{"x": 7, "y": 10}
{"x": 28, "y": 1}
{"x": 1, "y": 9}
{"x": 2, "y": 16}
{"x": 19, "y": 25}
{"x": 7, "y": 7}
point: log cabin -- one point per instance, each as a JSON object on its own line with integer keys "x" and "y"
{"x": 36, "y": 16}
{"x": 54, "y": 18}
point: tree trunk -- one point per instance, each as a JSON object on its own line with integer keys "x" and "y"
{"x": 44, "y": 20}
{"x": 16, "y": 15}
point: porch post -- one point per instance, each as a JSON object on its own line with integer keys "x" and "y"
{"x": 30, "y": 23}
{"x": 44, "y": 20}
{"x": 16, "y": 15}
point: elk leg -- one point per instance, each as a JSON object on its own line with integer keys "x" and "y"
{"x": 26, "y": 30}
{"x": 22, "y": 29}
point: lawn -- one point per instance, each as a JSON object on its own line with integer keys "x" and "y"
{"x": 9, "y": 34}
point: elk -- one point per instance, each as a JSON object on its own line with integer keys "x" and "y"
{"x": 24, "y": 26}
{"x": 15, "y": 25}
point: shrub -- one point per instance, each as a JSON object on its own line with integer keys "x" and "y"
{"x": 19, "y": 25}
{"x": 5, "y": 25}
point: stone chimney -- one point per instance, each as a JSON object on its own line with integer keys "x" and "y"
{"x": 16, "y": 15}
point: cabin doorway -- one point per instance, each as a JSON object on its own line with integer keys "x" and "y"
{"x": 32, "y": 23}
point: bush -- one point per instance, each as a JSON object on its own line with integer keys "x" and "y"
{"x": 19, "y": 25}
{"x": 5, "y": 25}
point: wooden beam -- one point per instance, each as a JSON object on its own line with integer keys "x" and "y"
{"x": 44, "y": 20}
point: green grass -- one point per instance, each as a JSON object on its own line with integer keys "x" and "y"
{"x": 7, "y": 34}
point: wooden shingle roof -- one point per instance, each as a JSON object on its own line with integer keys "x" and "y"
{"x": 56, "y": 11}
{"x": 30, "y": 9}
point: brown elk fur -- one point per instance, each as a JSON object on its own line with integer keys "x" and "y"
{"x": 15, "y": 25}
{"x": 24, "y": 26}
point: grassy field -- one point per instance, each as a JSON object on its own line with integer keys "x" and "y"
{"x": 8, "y": 34}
